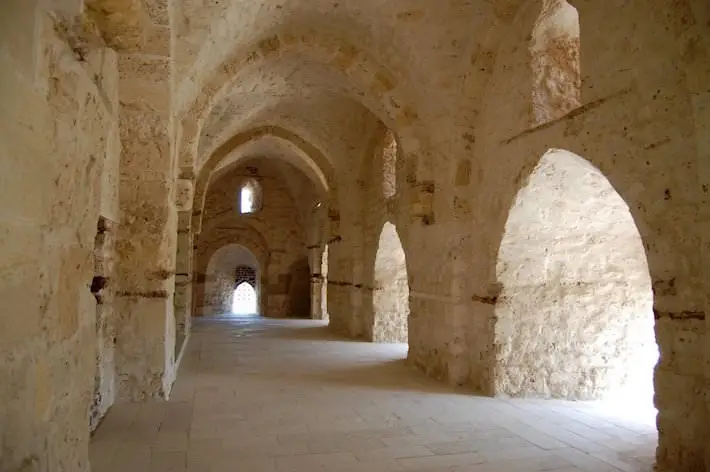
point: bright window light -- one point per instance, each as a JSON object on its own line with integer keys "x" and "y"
{"x": 244, "y": 299}
{"x": 246, "y": 203}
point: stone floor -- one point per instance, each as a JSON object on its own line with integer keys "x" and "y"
{"x": 257, "y": 395}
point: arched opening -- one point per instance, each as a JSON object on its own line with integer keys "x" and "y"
{"x": 389, "y": 166}
{"x": 575, "y": 315}
{"x": 228, "y": 268}
{"x": 249, "y": 197}
{"x": 554, "y": 50}
{"x": 244, "y": 300}
{"x": 391, "y": 291}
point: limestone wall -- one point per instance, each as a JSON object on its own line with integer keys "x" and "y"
{"x": 102, "y": 286}
{"x": 274, "y": 234}
{"x": 575, "y": 314}
{"x": 476, "y": 93}
{"x": 56, "y": 96}
{"x": 390, "y": 298}
{"x": 221, "y": 278}
{"x": 147, "y": 235}
{"x": 633, "y": 125}
{"x": 379, "y": 302}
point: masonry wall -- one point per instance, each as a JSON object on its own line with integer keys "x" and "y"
{"x": 221, "y": 278}
{"x": 362, "y": 222}
{"x": 390, "y": 298}
{"x": 273, "y": 233}
{"x": 575, "y": 313}
{"x": 57, "y": 135}
{"x": 634, "y": 123}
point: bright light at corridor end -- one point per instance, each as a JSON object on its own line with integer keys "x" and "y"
{"x": 634, "y": 401}
{"x": 244, "y": 300}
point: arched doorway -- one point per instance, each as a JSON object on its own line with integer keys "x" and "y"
{"x": 391, "y": 291}
{"x": 575, "y": 315}
{"x": 244, "y": 300}
{"x": 228, "y": 267}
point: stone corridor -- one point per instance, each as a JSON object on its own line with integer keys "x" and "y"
{"x": 267, "y": 395}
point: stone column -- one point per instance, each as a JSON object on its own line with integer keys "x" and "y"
{"x": 316, "y": 301}
{"x": 147, "y": 232}
{"x": 183, "y": 278}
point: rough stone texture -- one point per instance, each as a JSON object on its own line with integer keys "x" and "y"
{"x": 390, "y": 299}
{"x": 575, "y": 314}
{"x": 274, "y": 234}
{"x": 102, "y": 288}
{"x": 146, "y": 246}
{"x": 221, "y": 278}
{"x": 352, "y": 261}
{"x": 204, "y": 86}
{"x": 55, "y": 138}
{"x": 555, "y": 62}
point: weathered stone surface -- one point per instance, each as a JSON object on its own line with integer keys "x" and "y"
{"x": 55, "y": 143}
{"x": 274, "y": 234}
{"x": 390, "y": 299}
{"x": 476, "y": 94}
{"x": 575, "y": 317}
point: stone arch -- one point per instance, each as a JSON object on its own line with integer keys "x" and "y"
{"x": 390, "y": 299}
{"x": 219, "y": 237}
{"x": 369, "y": 212}
{"x": 555, "y": 62}
{"x": 575, "y": 314}
{"x": 220, "y": 277}
{"x": 375, "y": 84}
{"x": 315, "y": 159}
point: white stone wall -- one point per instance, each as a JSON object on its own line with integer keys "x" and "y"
{"x": 274, "y": 234}
{"x": 390, "y": 298}
{"x": 575, "y": 314}
{"x": 56, "y": 99}
{"x": 457, "y": 82}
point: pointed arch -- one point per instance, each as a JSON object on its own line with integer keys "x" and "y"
{"x": 575, "y": 315}
{"x": 391, "y": 291}
{"x": 321, "y": 172}
{"x": 375, "y": 84}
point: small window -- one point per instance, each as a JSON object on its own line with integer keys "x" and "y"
{"x": 249, "y": 197}
{"x": 555, "y": 51}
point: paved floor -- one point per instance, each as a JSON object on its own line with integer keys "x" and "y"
{"x": 258, "y": 395}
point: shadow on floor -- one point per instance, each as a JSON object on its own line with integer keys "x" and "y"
{"x": 307, "y": 333}
{"x": 393, "y": 375}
